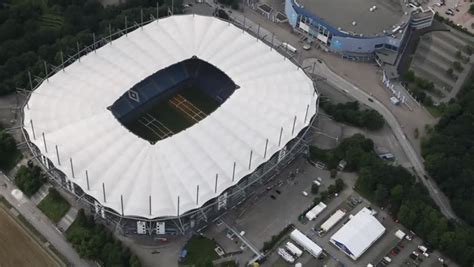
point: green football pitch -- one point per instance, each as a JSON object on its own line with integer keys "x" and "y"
{"x": 165, "y": 119}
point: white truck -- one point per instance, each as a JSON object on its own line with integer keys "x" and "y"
{"x": 400, "y": 234}
{"x": 315, "y": 211}
{"x": 293, "y": 249}
{"x": 285, "y": 255}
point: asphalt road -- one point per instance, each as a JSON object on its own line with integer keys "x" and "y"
{"x": 340, "y": 83}
{"x": 41, "y": 223}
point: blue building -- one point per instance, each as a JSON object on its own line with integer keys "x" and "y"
{"x": 355, "y": 29}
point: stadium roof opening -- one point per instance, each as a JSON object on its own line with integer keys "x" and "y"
{"x": 355, "y": 16}
{"x": 173, "y": 99}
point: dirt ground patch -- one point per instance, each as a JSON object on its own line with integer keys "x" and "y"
{"x": 17, "y": 246}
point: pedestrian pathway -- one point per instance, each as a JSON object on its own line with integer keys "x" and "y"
{"x": 67, "y": 219}
{"x": 40, "y": 194}
{"x": 40, "y": 222}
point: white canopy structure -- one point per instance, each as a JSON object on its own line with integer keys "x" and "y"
{"x": 306, "y": 243}
{"x": 68, "y": 121}
{"x": 356, "y": 236}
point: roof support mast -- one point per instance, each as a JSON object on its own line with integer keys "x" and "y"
{"x": 103, "y": 192}
{"x": 44, "y": 142}
{"x": 72, "y": 168}
{"x": 233, "y": 171}
{"x": 87, "y": 181}
{"x": 32, "y": 130}
{"x": 57, "y": 155}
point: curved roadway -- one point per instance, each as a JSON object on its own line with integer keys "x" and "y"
{"x": 321, "y": 69}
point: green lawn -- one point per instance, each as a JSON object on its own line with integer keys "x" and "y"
{"x": 200, "y": 251}
{"x": 54, "y": 206}
{"x": 435, "y": 111}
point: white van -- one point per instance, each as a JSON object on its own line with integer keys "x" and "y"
{"x": 288, "y": 47}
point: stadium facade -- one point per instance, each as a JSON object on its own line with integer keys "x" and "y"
{"x": 74, "y": 123}
{"x": 356, "y": 29}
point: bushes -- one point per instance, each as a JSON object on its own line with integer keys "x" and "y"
{"x": 314, "y": 189}
{"x": 29, "y": 179}
{"x": 268, "y": 245}
{"x": 457, "y": 66}
{"x": 354, "y": 150}
{"x": 350, "y": 113}
{"x": 95, "y": 242}
{"x": 234, "y": 4}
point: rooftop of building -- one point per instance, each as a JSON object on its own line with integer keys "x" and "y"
{"x": 358, "y": 16}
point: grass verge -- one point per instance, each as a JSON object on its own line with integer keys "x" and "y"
{"x": 200, "y": 251}
{"x": 54, "y": 206}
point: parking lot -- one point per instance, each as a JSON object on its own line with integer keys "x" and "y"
{"x": 281, "y": 202}
{"x": 460, "y": 13}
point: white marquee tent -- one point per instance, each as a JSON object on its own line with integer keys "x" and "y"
{"x": 356, "y": 236}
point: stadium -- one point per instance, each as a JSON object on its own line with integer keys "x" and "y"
{"x": 166, "y": 127}
{"x": 355, "y": 29}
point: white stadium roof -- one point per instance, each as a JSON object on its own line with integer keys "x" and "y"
{"x": 71, "y": 110}
{"x": 356, "y": 236}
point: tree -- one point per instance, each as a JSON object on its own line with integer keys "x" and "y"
{"x": 409, "y": 76}
{"x": 381, "y": 195}
{"x": 331, "y": 189}
{"x": 469, "y": 49}
{"x": 94, "y": 241}
{"x": 135, "y": 261}
{"x": 333, "y": 173}
{"x": 314, "y": 189}
{"x": 324, "y": 195}
{"x": 457, "y": 66}
{"x": 459, "y": 54}
{"x": 450, "y": 72}
{"x": 29, "y": 179}
{"x": 9, "y": 154}
{"x": 339, "y": 185}
{"x": 221, "y": 14}
{"x": 350, "y": 113}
